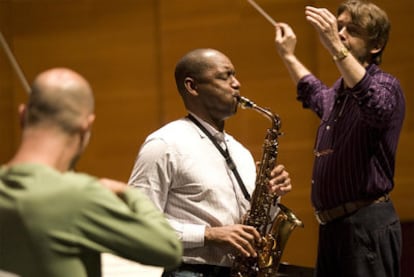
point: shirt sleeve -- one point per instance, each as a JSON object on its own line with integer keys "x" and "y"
{"x": 378, "y": 96}
{"x": 311, "y": 92}
{"x": 153, "y": 173}
{"x": 131, "y": 228}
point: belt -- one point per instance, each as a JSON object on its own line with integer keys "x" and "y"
{"x": 326, "y": 216}
{"x": 206, "y": 269}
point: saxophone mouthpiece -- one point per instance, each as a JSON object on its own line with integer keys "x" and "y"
{"x": 245, "y": 103}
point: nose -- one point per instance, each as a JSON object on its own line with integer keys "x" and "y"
{"x": 235, "y": 83}
{"x": 341, "y": 32}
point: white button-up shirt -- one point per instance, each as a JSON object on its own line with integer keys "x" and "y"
{"x": 185, "y": 175}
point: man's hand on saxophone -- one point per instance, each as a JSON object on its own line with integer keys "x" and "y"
{"x": 280, "y": 184}
{"x": 243, "y": 237}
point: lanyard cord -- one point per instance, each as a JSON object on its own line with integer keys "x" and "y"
{"x": 225, "y": 154}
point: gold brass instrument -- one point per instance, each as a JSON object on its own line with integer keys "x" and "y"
{"x": 274, "y": 231}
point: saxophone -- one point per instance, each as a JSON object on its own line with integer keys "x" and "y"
{"x": 274, "y": 231}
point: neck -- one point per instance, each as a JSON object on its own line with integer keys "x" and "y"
{"x": 47, "y": 147}
{"x": 216, "y": 124}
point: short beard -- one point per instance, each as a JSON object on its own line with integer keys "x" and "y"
{"x": 362, "y": 59}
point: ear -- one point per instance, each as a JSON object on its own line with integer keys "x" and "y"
{"x": 22, "y": 114}
{"x": 376, "y": 49}
{"x": 87, "y": 125}
{"x": 85, "y": 132}
{"x": 191, "y": 86}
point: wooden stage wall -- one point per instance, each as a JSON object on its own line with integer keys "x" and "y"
{"x": 128, "y": 49}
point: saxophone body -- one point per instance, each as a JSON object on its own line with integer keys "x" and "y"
{"x": 276, "y": 230}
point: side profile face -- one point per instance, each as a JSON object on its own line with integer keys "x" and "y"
{"x": 217, "y": 86}
{"x": 354, "y": 37}
{"x": 364, "y": 28}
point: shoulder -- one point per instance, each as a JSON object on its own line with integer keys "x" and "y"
{"x": 66, "y": 192}
{"x": 46, "y": 176}
{"x": 382, "y": 76}
{"x": 80, "y": 179}
{"x": 48, "y": 182}
{"x": 178, "y": 132}
{"x": 173, "y": 129}
{"x": 169, "y": 140}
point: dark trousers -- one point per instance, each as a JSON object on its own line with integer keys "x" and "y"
{"x": 365, "y": 243}
{"x": 198, "y": 270}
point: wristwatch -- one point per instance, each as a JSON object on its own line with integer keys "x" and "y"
{"x": 342, "y": 54}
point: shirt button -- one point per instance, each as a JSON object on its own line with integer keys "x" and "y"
{"x": 328, "y": 127}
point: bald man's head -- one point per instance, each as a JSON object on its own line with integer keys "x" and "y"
{"x": 61, "y": 98}
{"x": 194, "y": 64}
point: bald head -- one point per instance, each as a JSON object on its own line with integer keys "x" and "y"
{"x": 194, "y": 64}
{"x": 61, "y": 98}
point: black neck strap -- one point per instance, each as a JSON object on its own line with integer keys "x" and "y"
{"x": 225, "y": 154}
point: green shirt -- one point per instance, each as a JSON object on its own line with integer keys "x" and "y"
{"x": 57, "y": 224}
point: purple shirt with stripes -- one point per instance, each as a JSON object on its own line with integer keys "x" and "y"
{"x": 357, "y": 139}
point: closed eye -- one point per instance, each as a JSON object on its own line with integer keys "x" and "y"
{"x": 226, "y": 75}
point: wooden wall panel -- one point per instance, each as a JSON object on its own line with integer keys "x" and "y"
{"x": 7, "y": 111}
{"x": 128, "y": 49}
{"x": 114, "y": 47}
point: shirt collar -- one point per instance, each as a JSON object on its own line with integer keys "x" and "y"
{"x": 220, "y": 136}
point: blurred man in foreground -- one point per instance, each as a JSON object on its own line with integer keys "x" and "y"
{"x": 54, "y": 222}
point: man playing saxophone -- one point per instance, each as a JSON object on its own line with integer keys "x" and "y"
{"x": 200, "y": 176}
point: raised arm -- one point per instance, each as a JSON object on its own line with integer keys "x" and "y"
{"x": 285, "y": 41}
{"x": 335, "y": 37}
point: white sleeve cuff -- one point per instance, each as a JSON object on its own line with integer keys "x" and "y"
{"x": 193, "y": 235}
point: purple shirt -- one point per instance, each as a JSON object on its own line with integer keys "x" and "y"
{"x": 357, "y": 138}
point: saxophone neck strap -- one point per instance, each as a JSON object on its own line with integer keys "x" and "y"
{"x": 225, "y": 153}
